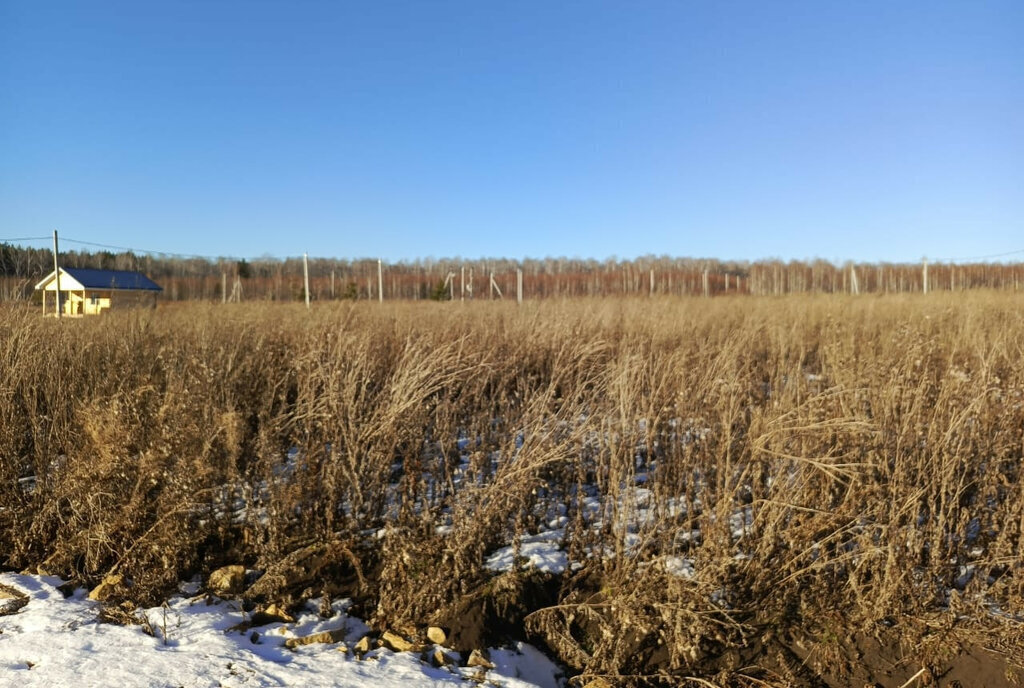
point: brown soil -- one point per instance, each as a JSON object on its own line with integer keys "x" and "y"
{"x": 495, "y": 613}
{"x": 863, "y": 660}
{"x": 905, "y": 656}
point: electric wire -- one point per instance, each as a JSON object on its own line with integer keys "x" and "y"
{"x": 989, "y": 257}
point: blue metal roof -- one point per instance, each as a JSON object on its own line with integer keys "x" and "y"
{"x": 112, "y": 279}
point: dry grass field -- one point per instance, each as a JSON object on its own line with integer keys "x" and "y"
{"x": 745, "y": 491}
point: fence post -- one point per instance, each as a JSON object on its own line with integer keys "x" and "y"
{"x": 56, "y": 272}
{"x": 305, "y": 276}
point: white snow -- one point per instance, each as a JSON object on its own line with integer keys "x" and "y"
{"x": 680, "y": 567}
{"x": 53, "y": 641}
{"x": 541, "y": 551}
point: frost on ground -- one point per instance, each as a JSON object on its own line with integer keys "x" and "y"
{"x": 53, "y": 641}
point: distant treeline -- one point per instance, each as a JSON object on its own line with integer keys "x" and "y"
{"x": 201, "y": 279}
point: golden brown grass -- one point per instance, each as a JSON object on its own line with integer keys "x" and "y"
{"x": 825, "y": 465}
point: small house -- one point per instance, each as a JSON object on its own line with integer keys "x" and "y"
{"x": 91, "y": 292}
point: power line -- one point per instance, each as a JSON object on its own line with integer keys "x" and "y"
{"x": 994, "y": 255}
{"x": 142, "y": 250}
{"x": 122, "y": 248}
{"x": 7, "y": 241}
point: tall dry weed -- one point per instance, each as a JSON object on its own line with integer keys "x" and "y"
{"x": 720, "y": 471}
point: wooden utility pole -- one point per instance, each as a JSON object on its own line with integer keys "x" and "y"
{"x": 236, "y": 291}
{"x": 305, "y": 275}
{"x": 56, "y": 271}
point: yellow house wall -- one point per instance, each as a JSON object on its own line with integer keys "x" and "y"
{"x": 86, "y": 303}
{"x": 97, "y": 302}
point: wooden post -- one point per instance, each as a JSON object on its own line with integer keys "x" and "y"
{"x": 56, "y": 271}
{"x": 380, "y": 281}
{"x": 462, "y": 283}
{"x": 305, "y": 275}
{"x": 469, "y": 287}
{"x": 704, "y": 279}
{"x": 854, "y": 286}
{"x": 519, "y": 286}
{"x": 332, "y": 284}
{"x": 652, "y": 282}
{"x": 924, "y": 275}
{"x": 223, "y": 287}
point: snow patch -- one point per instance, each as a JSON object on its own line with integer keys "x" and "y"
{"x": 542, "y": 551}
{"x": 53, "y": 641}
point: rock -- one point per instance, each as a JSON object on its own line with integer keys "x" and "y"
{"x": 597, "y": 683}
{"x": 227, "y": 580}
{"x": 363, "y": 646}
{"x": 301, "y": 569}
{"x": 437, "y": 635}
{"x": 67, "y": 589}
{"x": 438, "y": 658}
{"x": 479, "y": 658}
{"x": 111, "y": 585}
{"x": 270, "y": 614}
{"x": 11, "y": 600}
{"x": 324, "y": 637}
{"x": 395, "y": 642}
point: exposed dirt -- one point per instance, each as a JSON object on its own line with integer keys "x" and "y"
{"x": 495, "y": 613}
{"x": 864, "y": 660}
{"x": 903, "y": 656}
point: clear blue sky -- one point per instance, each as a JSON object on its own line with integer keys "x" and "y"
{"x": 843, "y": 130}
